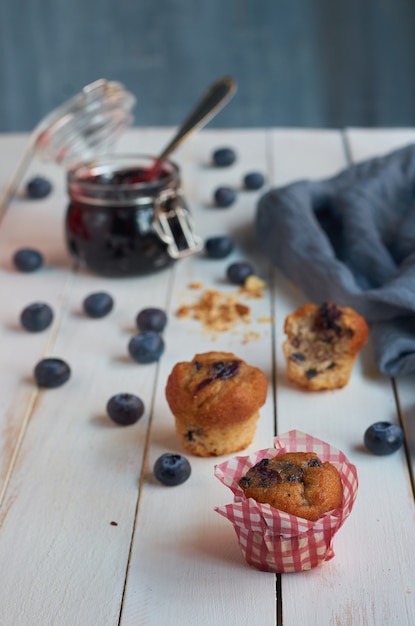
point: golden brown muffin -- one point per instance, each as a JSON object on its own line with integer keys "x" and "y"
{"x": 295, "y": 482}
{"x": 215, "y": 399}
{"x": 322, "y": 345}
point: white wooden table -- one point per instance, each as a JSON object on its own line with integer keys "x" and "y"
{"x": 87, "y": 536}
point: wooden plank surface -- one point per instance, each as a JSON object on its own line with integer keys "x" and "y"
{"x": 369, "y": 581}
{"x": 87, "y": 536}
{"x": 365, "y": 144}
{"x": 181, "y": 544}
{"x": 71, "y": 501}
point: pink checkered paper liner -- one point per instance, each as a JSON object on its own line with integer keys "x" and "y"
{"x": 275, "y": 541}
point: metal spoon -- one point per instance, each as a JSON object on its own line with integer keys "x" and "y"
{"x": 212, "y": 102}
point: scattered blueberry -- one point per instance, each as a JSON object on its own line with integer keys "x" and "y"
{"x": 151, "y": 319}
{"x": 223, "y": 157}
{"x": 27, "y": 260}
{"x": 172, "y": 469}
{"x": 36, "y": 317}
{"x": 254, "y": 180}
{"x": 146, "y": 347}
{"x": 98, "y": 304}
{"x": 38, "y": 187}
{"x": 51, "y": 373}
{"x": 383, "y": 438}
{"x": 238, "y": 272}
{"x": 125, "y": 409}
{"x": 218, "y": 247}
{"x": 224, "y": 196}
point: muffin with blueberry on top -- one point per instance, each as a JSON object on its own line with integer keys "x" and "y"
{"x": 215, "y": 399}
{"x": 295, "y": 482}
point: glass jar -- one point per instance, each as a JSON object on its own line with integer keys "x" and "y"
{"x": 120, "y": 220}
{"x": 124, "y": 221}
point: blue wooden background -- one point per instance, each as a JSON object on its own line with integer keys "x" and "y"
{"x": 311, "y": 63}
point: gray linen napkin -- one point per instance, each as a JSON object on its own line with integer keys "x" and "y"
{"x": 351, "y": 239}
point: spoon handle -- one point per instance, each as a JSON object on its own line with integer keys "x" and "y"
{"x": 214, "y": 99}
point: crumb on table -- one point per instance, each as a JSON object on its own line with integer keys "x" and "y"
{"x": 217, "y": 311}
{"x": 253, "y": 286}
{"x": 251, "y": 336}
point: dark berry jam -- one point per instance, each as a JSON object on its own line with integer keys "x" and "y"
{"x": 151, "y": 174}
{"x": 114, "y": 219}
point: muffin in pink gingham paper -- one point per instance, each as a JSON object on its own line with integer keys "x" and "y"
{"x": 275, "y": 541}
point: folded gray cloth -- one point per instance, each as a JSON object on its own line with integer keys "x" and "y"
{"x": 351, "y": 239}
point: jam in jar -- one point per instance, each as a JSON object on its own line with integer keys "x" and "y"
{"x": 126, "y": 217}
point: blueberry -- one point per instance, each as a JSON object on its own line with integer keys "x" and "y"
{"x": 383, "y": 438}
{"x": 245, "y": 481}
{"x": 224, "y": 196}
{"x": 254, "y": 180}
{"x": 223, "y": 157}
{"x": 98, "y": 304}
{"x": 172, "y": 469}
{"x": 218, "y": 247}
{"x": 218, "y": 371}
{"x": 38, "y": 187}
{"x": 125, "y": 409}
{"x": 151, "y": 319}
{"x": 315, "y": 462}
{"x": 328, "y": 317}
{"x": 222, "y": 371}
{"x": 238, "y": 272}
{"x": 51, "y": 373}
{"x": 27, "y": 260}
{"x": 36, "y": 317}
{"x": 146, "y": 347}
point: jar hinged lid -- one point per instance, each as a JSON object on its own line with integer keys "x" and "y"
{"x": 85, "y": 125}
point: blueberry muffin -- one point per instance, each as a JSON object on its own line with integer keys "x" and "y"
{"x": 295, "y": 482}
{"x": 322, "y": 345}
{"x": 215, "y": 399}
